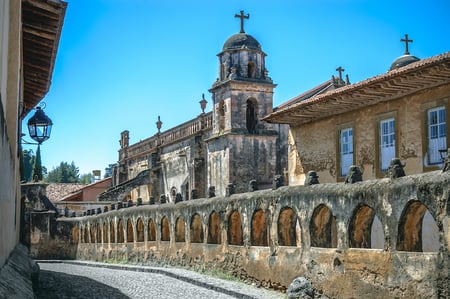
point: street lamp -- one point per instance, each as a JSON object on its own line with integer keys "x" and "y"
{"x": 40, "y": 126}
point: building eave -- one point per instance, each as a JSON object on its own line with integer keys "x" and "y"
{"x": 418, "y": 76}
{"x": 42, "y": 22}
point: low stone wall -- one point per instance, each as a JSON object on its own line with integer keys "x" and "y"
{"x": 374, "y": 239}
{"x": 51, "y": 238}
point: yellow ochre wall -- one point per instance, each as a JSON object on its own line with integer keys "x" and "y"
{"x": 314, "y": 146}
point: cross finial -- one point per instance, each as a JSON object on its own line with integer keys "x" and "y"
{"x": 242, "y": 17}
{"x": 406, "y": 41}
{"x": 340, "y": 70}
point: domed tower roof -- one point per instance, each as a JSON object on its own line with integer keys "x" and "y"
{"x": 403, "y": 61}
{"x": 406, "y": 58}
{"x": 242, "y": 58}
{"x": 241, "y": 41}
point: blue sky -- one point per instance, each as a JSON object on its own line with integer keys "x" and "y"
{"x": 121, "y": 63}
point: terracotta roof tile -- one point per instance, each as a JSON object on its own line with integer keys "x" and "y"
{"x": 57, "y": 191}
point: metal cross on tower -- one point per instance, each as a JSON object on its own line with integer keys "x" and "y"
{"x": 406, "y": 41}
{"x": 340, "y": 70}
{"x": 242, "y": 17}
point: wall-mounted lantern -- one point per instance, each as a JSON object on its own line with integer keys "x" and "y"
{"x": 40, "y": 126}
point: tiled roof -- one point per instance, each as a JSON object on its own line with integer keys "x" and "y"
{"x": 319, "y": 89}
{"x": 417, "y": 76}
{"x": 57, "y": 191}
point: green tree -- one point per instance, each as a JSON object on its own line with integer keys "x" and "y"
{"x": 26, "y": 165}
{"x": 37, "y": 168}
{"x": 87, "y": 178}
{"x": 64, "y": 173}
{"x": 109, "y": 170}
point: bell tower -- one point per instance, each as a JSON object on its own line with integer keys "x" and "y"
{"x": 242, "y": 146}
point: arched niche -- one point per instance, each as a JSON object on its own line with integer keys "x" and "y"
{"x": 140, "y": 230}
{"x": 130, "y": 235}
{"x": 105, "y": 233}
{"x": 120, "y": 232}
{"x": 165, "y": 231}
{"x": 365, "y": 229}
{"x": 214, "y": 235}
{"x": 196, "y": 229}
{"x": 234, "y": 233}
{"x": 417, "y": 229}
{"x": 180, "y": 230}
{"x": 322, "y": 228}
{"x": 112, "y": 235}
{"x": 75, "y": 234}
{"x": 287, "y": 227}
{"x": 151, "y": 233}
{"x": 259, "y": 232}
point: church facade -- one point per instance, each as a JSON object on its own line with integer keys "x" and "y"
{"x": 225, "y": 151}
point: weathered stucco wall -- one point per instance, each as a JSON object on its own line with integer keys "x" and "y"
{"x": 322, "y": 232}
{"x": 314, "y": 146}
{"x": 10, "y": 55}
{"x": 237, "y": 159}
{"x": 51, "y": 238}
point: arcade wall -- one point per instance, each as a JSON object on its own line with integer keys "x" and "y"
{"x": 387, "y": 237}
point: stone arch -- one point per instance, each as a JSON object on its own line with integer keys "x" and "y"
{"x": 120, "y": 232}
{"x": 235, "y": 235}
{"x": 112, "y": 235}
{"x": 151, "y": 231}
{"x": 92, "y": 233}
{"x": 105, "y": 232}
{"x": 251, "y": 69}
{"x": 180, "y": 230}
{"x": 322, "y": 228}
{"x": 140, "y": 230}
{"x": 75, "y": 234}
{"x": 365, "y": 229}
{"x": 221, "y": 114}
{"x": 99, "y": 233}
{"x": 196, "y": 229}
{"x": 287, "y": 227}
{"x": 86, "y": 234}
{"x": 130, "y": 235}
{"x": 214, "y": 235}
{"x": 165, "y": 231}
{"x": 251, "y": 115}
{"x": 417, "y": 229}
{"x": 259, "y": 231}
{"x": 222, "y": 71}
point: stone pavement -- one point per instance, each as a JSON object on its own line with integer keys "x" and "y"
{"x": 79, "y": 279}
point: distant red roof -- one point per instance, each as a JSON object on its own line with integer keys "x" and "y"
{"x": 57, "y": 191}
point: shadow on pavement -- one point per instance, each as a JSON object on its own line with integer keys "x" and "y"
{"x": 60, "y": 285}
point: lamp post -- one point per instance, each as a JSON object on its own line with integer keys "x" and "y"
{"x": 39, "y": 128}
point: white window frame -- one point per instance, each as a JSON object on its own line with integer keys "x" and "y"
{"x": 386, "y": 142}
{"x": 345, "y": 150}
{"x": 437, "y": 134}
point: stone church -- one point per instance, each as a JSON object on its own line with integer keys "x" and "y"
{"x": 218, "y": 153}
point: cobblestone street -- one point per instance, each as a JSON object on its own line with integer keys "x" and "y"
{"x": 97, "y": 280}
